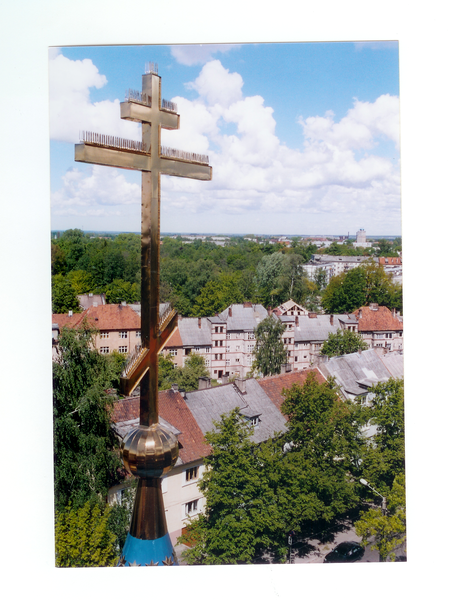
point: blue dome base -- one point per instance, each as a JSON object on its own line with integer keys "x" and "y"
{"x": 148, "y": 553}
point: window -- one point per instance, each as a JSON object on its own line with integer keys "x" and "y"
{"x": 138, "y": 334}
{"x": 207, "y": 349}
{"x": 123, "y": 349}
{"x": 254, "y": 421}
{"x": 104, "y": 335}
{"x": 250, "y": 336}
{"x": 250, "y": 347}
{"x": 228, "y": 348}
{"x": 104, "y": 350}
{"x": 248, "y": 361}
{"x": 296, "y": 359}
{"x": 228, "y": 336}
{"x": 123, "y": 334}
{"x": 196, "y": 349}
{"x": 237, "y": 348}
{"x": 192, "y": 473}
{"x": 207, "y": 362}
{"x": 173, "y": 352}
{"x": 190, "y": 508}
{"x": 378, "y": 335}
{"x": 227, "y": 362}
{"x": 388, "y": 335}
{"x": 237, "y": 360}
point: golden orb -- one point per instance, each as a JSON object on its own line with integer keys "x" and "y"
{"x": 149, "y": 451}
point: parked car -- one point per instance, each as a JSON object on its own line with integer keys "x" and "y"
{"x": 345, "y": 552}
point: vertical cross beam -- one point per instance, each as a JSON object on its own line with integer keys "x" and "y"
{"x": 150, "y": 450}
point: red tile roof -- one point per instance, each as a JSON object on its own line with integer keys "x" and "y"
{"x": 380, "y": 319}
{"x": 273, "y": 386}
{"x": 174, "y": 340}
{"x": 109, "y": 317}
{"x": 175, "y": 411}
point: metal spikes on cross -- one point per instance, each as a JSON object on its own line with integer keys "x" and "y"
{"x": 149, "y": 450}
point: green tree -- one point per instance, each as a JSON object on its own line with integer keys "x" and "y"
{"x": 83, "y": 537}
{"x": 122, "y": 291}
{"x": 188, "y": 376}
{"x": 345, "y": 292}
{"x": 385, "y": 455}
{"x": 166, "y": 372}
{"x": 343, "y": 342}
{"x": 242, "y": 516}
{"x": 85, "y": 447}
{"x": 269, "y": 352}
{"x": 81, "y": 281}
{"x": 388, "y": 529}
{"x": 217, "y": 294}
{"x": 64, "y": 297}
{"x": 324, "y": 444}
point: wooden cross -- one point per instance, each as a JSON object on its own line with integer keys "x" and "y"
{"x": 150, "y": 158}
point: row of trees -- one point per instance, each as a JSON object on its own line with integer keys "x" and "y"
{"x": 202, "y": 278}
{"x": 304, "y": 477}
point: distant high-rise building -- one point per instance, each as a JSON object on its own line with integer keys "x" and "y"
{"x": 361, "y": 236}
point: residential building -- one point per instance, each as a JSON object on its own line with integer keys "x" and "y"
{"x": 117, "y": 324}
{"x": 333, "y": 265}
{"x": 357, "y": 373}
{"x": 380, "y": 327}
{"x": 181, "y": 495}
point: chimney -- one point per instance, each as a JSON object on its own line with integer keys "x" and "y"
{"x": 95, "y": 304}
{"x": 70, "y": 313}
{"x": 174, "y": 387}
{"x": 394, "y": 312}
{"x": 204, "y": 383}
{"x": 241, "y": 385}
{"x": 297, "y": 321}
{"x": 230, "y": 311}
{"x": 247, "y": 304}
{"x": 312, "y": 315}
{"x": 225, "y": 379}
{"x": 373, "y": 306}
{"x": 331, "y": 320}
{"x": 199, "y": 322}
{"x": 360, "y": 313}
{"x": 123, "y": 303}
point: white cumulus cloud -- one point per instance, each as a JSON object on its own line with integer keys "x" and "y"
{"x": 335, "y": 173}
{"x": 71, "y": 110}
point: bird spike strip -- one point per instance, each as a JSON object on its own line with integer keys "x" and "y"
{"x": 182, "y": 155}
{"x": 142, "y": 98}
{"x": 100, "y": 139}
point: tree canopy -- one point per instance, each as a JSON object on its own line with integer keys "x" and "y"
{"x": 359, "y": 287}
{"x": 257, "y": 493}
{"x": 386, "y": 530}
{"x": 342, "y": 342}
{"x": 85, "y": 461}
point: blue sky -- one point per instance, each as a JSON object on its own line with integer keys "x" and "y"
{"x": 303, "y": 137}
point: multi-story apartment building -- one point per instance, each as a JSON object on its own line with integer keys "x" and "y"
{"x": 118, "y": 326}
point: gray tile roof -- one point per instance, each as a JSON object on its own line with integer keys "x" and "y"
{"x": 193, "y": 335}
{"x": 394, "y": 362}
{"x": 208, "y": 405}
{"x": 317, "y": 329}
{"x": 244, "y": 318}
{"x": 356, "y": 372}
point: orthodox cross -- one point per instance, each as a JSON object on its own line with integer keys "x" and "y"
{"x": 150, "y": 450}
